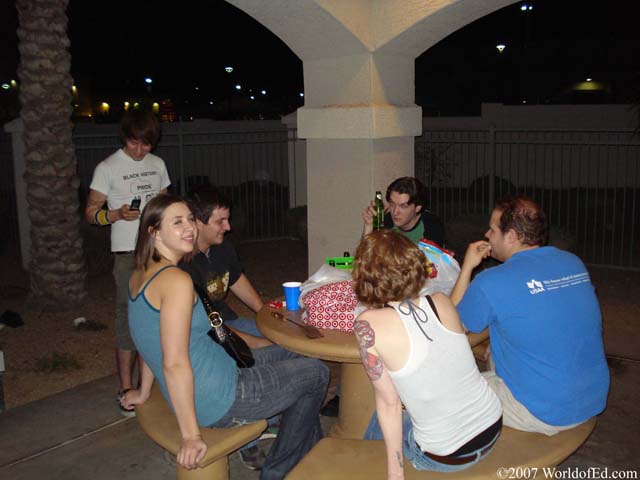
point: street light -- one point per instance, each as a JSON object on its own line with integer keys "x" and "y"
{"x": 501, "y": 47}
{"x": 263, "y": 92}
{"x": 301, "y": 94}
{"x": 148, "y": 80}
{"x": 238, "y": 87}
{"x": 228, "y": 69}
{"x": 5, "y": 86}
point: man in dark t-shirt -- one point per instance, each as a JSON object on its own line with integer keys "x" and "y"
{"x": 215, "y": 265}
{"x": 406, "y": 212}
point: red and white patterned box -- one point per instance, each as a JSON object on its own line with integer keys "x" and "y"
{"x": 331, "y": 306}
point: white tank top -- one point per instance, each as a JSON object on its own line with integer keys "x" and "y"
{"x": 448, "y": 400}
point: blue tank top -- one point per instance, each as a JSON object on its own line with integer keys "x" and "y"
{"x": 215, "y": 373}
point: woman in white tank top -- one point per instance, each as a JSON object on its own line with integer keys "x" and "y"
{"x": 416, "y": 354}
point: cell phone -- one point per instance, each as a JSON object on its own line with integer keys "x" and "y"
{"x": 135, "y": 204}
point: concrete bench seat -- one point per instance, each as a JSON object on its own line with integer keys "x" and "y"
{"x": 160, "y": 424}
{"x": 336, "y": 458}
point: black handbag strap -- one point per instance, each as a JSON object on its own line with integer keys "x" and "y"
{"x": 214, "y": 316}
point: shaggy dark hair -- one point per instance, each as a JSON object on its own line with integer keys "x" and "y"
{"x": 388, "y": 267}
{"x": 411, "y": 186}
{"x": 525, "y": 217}
{"x": 204, "y": 200}
{"x": 139, "y": 125}
{"x": 149, "y": 223}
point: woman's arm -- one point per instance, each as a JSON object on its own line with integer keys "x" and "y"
{"x": 388, "y": 404}
{"x": 176, "y": 306}
{"x": 140, "y": 395}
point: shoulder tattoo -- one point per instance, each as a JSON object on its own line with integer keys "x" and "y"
{"x": 367, "y": 338}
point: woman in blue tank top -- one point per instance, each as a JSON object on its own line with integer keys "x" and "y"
{"x": 417, "y": 355}
{"x": 199, "y": 380}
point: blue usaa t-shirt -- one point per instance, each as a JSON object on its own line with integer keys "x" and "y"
{"x": 545, "y": 328}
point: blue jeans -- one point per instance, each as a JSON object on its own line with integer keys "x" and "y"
{"x": 246, "y": 325}
{"x": 414, "y": 454}
{"x": 282, "y": 383}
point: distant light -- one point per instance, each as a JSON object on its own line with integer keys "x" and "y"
{"x": 211, "y": 102}
{"x": 136, "y": 105}
{"x": 523, "y": 7}
{"x": 301, "y": 94}
{"x": 155, "y": 107}
{"x": 126, "y": 106}
{"x": 13, "y": 83}
{"x": 148, "y": 80}
{"x": 530, "y": 7}
{"x": 524, "y": 101}
{"x": 589, "y": 79}
{"x": 252, "y": 97}
{"x": 501, "y": 47}
{"x": 5, "y": 86}
{"x": 104, "y": 107}
{"x": 263, "y": 92}
{"x": 196, "y": 87}
{"x": 238, "y": 87}
{"x": 228, "y": 69}
{"x": 526, "y": 7}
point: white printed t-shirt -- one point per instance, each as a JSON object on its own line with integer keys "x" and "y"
{"x": 122, "y": 179}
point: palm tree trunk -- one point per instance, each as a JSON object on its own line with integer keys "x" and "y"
{"x": 57, "y": 268}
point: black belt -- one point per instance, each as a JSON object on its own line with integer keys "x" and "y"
{"x": 128, "y": 252}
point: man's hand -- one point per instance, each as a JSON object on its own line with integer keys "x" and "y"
{"x": 367, "y": 217}
{"x": 368, "y": 213}
{"x": 125, "y": 213}
{"x": 476, "y": 253}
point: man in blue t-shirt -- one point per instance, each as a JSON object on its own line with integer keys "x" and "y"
{"x": 544, "y": 322}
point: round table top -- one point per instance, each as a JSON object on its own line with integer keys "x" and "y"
{"x": 335, "y": 346}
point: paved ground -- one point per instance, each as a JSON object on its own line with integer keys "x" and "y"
{"x": 79, "y": 434}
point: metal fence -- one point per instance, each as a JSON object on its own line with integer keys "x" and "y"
{"x": 588, "y": 182}
{"x": 251, "y": 167}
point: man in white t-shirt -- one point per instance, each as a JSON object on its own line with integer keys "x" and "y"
{"x": 126, "y": 181}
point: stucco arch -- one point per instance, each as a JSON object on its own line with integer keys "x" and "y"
{"x": 359, "y": 116}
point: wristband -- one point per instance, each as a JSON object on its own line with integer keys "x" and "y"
{"x": 101, "y": 217}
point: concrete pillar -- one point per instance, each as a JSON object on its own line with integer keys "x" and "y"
{"x": 359, "y": 117}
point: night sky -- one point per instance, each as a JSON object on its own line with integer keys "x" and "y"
{"x": 187, "y": 44}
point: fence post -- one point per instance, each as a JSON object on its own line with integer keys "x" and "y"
{"x": 16, "y": 129}
{"x": 181, "y": 158}
{"x": 492, "y": 167}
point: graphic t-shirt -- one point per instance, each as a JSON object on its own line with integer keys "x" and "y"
{"x": 545, "y": 328}
{"x": 122, "y": 179}
{"x": 215, "y": 272}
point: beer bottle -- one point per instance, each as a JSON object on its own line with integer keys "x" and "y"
{"x": 378, "y": 218}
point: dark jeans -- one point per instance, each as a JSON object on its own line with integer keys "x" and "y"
{"x": 283, "y": 383}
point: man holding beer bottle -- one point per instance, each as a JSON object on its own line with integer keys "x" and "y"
{"x": 406, "y": 212}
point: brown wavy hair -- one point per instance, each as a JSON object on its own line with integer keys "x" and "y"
{"x": 149, "y": 223}
{"x": 388, "y": 267}
{"x": 525, "y": 217}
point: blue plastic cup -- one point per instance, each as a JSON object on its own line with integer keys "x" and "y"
{"x": 292, "y": 294}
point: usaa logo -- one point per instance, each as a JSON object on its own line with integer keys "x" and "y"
{"x": 535, "y": 286}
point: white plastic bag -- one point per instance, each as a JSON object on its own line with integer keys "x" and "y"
{"x": 443, "y": 269}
